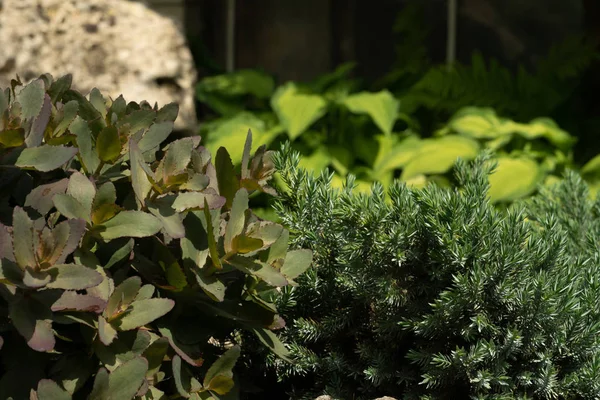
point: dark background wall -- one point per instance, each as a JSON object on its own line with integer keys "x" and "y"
{"x": 298, "y": 40}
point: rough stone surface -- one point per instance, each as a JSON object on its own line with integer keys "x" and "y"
{"x": 118, "y": 46}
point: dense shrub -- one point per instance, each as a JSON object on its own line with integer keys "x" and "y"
{"x": 436, "y": 294}
{"x": 129, "y": 263}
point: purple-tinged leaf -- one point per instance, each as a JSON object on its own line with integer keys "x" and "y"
{"x": 40, "y": 198}
{"x": 73, "y": 277}
{"x": 35, "y": 279}
{"x": 190, "y": 354}
{"x": 197, "y": 200}
{"x": 6, "y": 244}
{"x": 23, "y": 229}
{"x": 73, "y": 301}
{"x": 76, "y": 232}
{"x": 36, "y": 134}
{"x": 33, "y": 321}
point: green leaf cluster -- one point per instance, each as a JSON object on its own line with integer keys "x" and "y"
{"x": 437, "y": 294}
{"x": 130, "y": 262}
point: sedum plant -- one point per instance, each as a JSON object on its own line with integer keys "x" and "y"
{"x": 437, "y": 294}
{"x": 130, "y": 263}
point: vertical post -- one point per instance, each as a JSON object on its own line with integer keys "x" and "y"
{"x": 451, "y": 33}
{"x": 230, "y": 24}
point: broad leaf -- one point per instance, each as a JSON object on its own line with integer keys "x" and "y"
{"x": 85, "y": 142}
{"x": 129, "y": 224}
{"x": 49, "y": 390}
{"x": 382, "y": 107}
{"x": 143, "y": 312}
{"x": 157, "y": 134}
{"x": 226, "y": 177}
{"x": 140, "y": 173}
{"x": 269, "y": 339}
{"x": 219, "y": 377}
{"x": 45, "y": 158}
{"x": 259, "y": 269}
{"x": 178, "y": 156}
{"x": 73, "y": 277}
{"x": 83, "y": 190}
{"x": 123, "y": 295}
{"x": 33, "y": 321}
{"x": 514, "y": 178}
{"x": 124, "y": 382}
{"x": 36, "y": 133}
{"x": 237, "y": 218}
{"x": 108, "y": 144}
{"x": 437, "y": 156}
{"x": 69, "y": 207}
{"x": 197, "y": 200}
{"x": 40, "y": 198}
{"x": 163, "y": 209}
{"x": 106, "y": 332}
{"x": 296, "y": 262}
{"x": 297, "y": 111}
{"x": 23, "y": 230}
{"x": 31, "y": 98}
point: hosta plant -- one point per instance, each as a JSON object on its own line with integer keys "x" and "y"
{"x": 130, "y": 264}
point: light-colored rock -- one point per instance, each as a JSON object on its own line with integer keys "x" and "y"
{"x": 118, "y": 46}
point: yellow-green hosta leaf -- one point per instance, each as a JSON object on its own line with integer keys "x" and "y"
{"x": 231, "y": 134}
{"x": 360, "y": 185}
{"x": 542, "y": 128}
{"x": 437, "y": 156}
{"x": 476, "y": 122}
{"x": 394, "y": 153}
{"x": 297, "y": 111}
{"x": 382, "y": 107}
{"x": 514, "y": 178}
{"x": 317, "y": 161}
{"x": 592, "y": 167}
